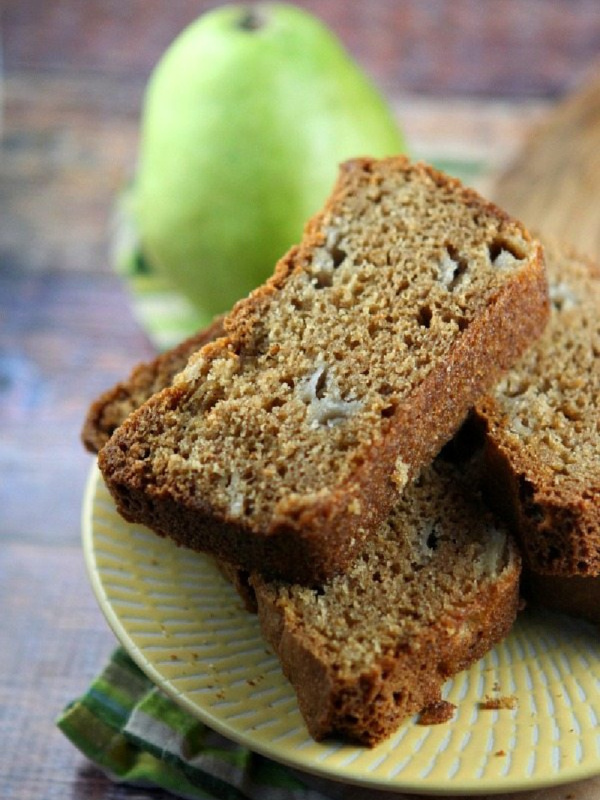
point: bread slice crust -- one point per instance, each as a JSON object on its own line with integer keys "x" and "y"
{"x": 306, "y": 533}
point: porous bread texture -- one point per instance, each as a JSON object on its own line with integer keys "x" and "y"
{"x": 432, "y": 591}
{"x": 281, "y": 446}
{"x": 114, "y": 405}
{"x": 542, "y": 429}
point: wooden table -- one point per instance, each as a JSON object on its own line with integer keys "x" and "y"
{"x": 74, "y": 74}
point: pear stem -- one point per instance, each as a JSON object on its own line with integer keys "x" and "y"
{"x": 253, "y": 19}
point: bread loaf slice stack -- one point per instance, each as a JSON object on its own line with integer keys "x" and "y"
{"x": 283, "y": 446}
{"x": 542, "y": 434}
{"x": 434, "y": 588}
{"x": 567, "y": 580}
{"x": 294, "y": 441}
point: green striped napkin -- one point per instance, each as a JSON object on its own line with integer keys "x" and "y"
{"x": 137, "y": 735}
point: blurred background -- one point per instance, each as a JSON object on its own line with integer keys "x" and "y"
{"x": 75, "y": 74}
{"x": 470, "y": 81}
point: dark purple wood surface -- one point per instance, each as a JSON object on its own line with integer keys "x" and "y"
{"x": 512, "y": 48}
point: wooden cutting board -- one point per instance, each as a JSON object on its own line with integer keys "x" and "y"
{"x": 553, "y": 185}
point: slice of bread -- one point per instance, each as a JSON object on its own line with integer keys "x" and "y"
{"x": 284, "y": 444}
{"x": 542, "y": 426}
{"x": 435, "y": 587}
{"x": 109, "y": 410}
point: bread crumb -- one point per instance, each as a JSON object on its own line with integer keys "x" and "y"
{"x": 437, "y": 713}
{"x": 509, "y": 702}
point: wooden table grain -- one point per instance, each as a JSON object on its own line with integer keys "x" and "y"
{"x": 464, "y": 80}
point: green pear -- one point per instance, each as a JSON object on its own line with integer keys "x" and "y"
{"x": 246, "y": 118}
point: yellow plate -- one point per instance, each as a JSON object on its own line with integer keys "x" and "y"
{"x": 185, "y": 627}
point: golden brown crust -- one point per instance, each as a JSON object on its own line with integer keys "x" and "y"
{"x": 310, "y": 535}
{"x": 109, "y": 410}
{"x": 437, "y": 713}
